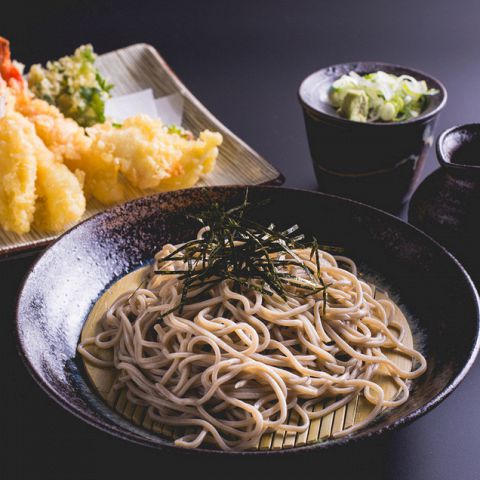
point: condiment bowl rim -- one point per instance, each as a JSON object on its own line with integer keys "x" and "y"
{"x": 443, "y": 157}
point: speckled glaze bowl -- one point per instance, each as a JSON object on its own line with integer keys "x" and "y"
{"x": 374, "y": 162}
{"x": 70, "y": 276}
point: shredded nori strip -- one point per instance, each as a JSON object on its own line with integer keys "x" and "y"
{"x": 236, "y": 248}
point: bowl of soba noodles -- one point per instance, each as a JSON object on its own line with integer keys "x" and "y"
{"x": 255, "y": 320}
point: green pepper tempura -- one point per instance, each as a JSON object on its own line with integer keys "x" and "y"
{"x": 379, "y": 96}
{"x": 74, "y": 85}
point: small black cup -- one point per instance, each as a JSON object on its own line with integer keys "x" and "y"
{"x": 375, "y": 162}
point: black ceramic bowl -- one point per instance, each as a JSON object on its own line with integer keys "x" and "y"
{"x": 375, "y": 162}
{"x": 69, "y": 277}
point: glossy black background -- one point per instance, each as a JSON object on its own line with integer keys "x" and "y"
{"x": 244, "y": 61}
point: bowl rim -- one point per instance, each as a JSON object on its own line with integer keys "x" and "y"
{"x": 442, "y": 156}
{"x": 423, "y": 117}
{"x": 131, "y": 436}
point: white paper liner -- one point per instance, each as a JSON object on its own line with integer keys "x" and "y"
{"x": 169, "y": 108}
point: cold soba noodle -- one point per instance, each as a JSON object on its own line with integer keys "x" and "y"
{"x": 236, "y": 330}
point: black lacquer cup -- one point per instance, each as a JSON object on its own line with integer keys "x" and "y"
{"x": 375, "y": 162}
{"x": 447, "y": 203}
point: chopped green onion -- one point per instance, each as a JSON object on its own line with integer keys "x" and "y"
{"x": 379, "y": 96}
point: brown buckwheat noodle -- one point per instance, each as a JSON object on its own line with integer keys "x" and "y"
{"x": 235, "y": 365}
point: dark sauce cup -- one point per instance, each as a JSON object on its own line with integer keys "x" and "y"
{"x": 447, "y": 203}
{"x": 375, "y": 162}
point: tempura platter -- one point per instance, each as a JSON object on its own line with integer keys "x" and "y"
{"x": 138, "y": 68}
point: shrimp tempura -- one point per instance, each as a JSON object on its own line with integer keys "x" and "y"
{"x": 63, "y": 136}
{"x": 33, "y": 186}
{"x": 60, "y": 198}
{"x": 9, "y": 70}
{"x": 18, "y": 172}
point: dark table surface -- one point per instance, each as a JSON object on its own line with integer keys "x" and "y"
{"x": 244, "y": 61}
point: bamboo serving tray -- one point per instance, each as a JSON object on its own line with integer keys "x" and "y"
{"x": 140, "y": 67}
{"x": 319, "y": 430}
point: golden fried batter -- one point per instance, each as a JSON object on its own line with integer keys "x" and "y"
{"x": 33, "y": 186}
{"x": 18, "y": 172}
{"x": 198, "y": 159}
{"x": 60, "y": 198}
{"x": 101, "y": 173}
{"x": 63, "y": 136}
{"x": 141, "y": 147}
{"x": 149, "y": 156}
